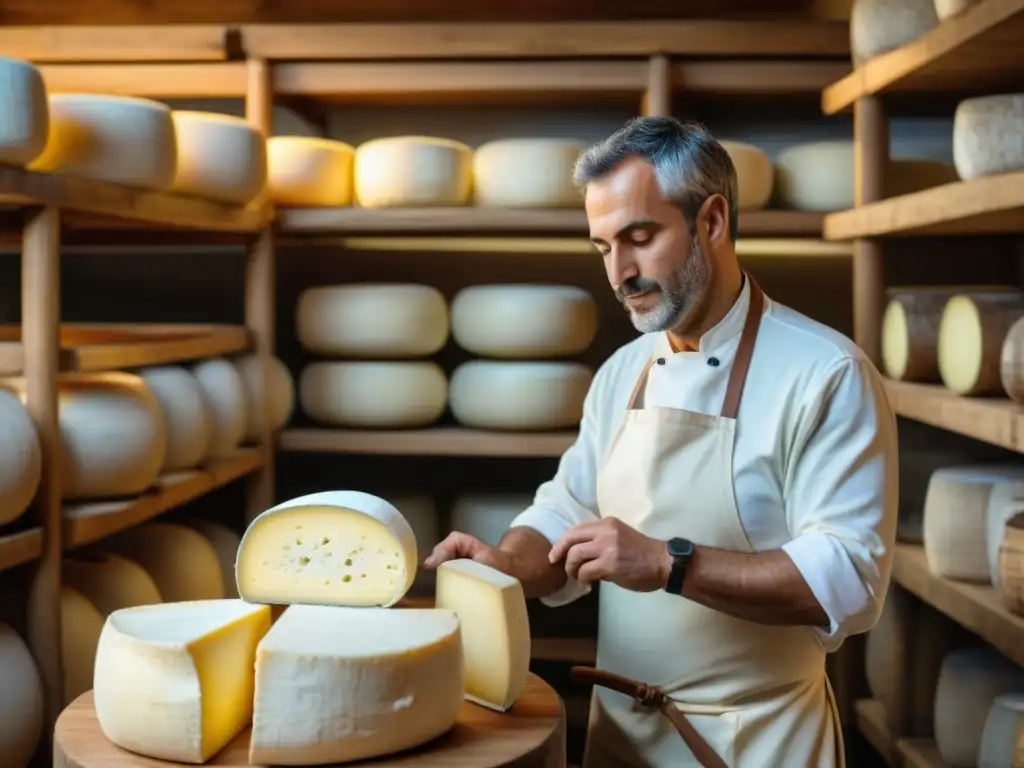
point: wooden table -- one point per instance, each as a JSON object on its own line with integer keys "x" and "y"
{"x": 531, "y": 734}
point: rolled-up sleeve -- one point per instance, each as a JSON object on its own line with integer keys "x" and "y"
{"x": 842, "y": 495}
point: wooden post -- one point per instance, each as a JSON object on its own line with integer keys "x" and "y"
{"x": 658, "y": 96}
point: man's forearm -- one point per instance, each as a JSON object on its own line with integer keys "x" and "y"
{"x": 528, "y": 561}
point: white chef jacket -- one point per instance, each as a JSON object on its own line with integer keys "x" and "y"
{"x": 815, "y": 466}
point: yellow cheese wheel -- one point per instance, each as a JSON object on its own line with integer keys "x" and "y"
{"x": 410, "y": 171}
{"x": 187, "y": 417}
{"x": 987, "y": 134}
{"x": 755, "y": 175}
{"x": 309, "y": 172}
{"x": 110, "y": 582}
{"x": 280, "y": 392}
{"x": 225, "y": 542}
{"x": 971, "y": 335}
{"x": 21, "y": 700}
{"x": 24, "y": 113}
{"x": 81, "y": 625}
{"x": 1011, "y": 364}
{"x": 220, "y": 157}
{"x": 526, "y": 173}
{"x": 227, "y": 399}
{"x": 21, "y": 462}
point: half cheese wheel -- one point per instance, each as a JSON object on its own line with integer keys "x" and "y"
{"x": 181, "y": 562}
{"x": 309, "y": 172}
{"x": 227, "y": 398}
{"x": 1011, "y": 365}
{"x": 527, "y": 173}
{"x": 987, "y": 135}
{"x": 877, "y": 26}
{"x": 21, "y": 461}
{"x": 220, "y": 157}
{"x": 755, "y": 174}
{"x": 24, "y": 113}
{"x": 406, "y": 171}
{"x": 187, "y": 417}
{"x": 21, "y": 700}
{"x": 110, "y": 582}
{"x": 971, "y": 335}
{"x": 280, "y": 392}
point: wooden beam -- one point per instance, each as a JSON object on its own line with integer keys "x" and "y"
{"x": 223, "y": 80}
{"x": 183, "y": 42}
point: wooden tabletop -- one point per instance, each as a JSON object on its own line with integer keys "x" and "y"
{"x": 531, "y": 734}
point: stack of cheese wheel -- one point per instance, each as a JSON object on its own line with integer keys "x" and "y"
{"x": 413, "y": 171}
{"x": 309, "y": 172}
{"x": 280, "y": 393}
{"x": 755, "y": 175}
{"x": 24, "y": 113}
{"x": 1011, "y": 366}
{"x": 389, "y": 325}
{"x": 1004, "y": 726}
{"x": 526, "y": 173}
{"x": 1011, "y": 565}
{"x": 987, "y": 135}
{"x": 21, "y": 463}
{"x": 487, "y": 516}
{"x": 877, "y": 26}
{"x": 21, "y": 697}
{"x": 521, "y": 323}
{"x": 972, "y": 333}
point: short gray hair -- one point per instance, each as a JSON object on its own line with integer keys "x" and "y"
{"x": 689, "y": 164}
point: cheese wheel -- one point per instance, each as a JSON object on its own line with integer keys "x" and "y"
{"x": 309, "y": 172}
{"x": 955, "y": 514}
{"x": 988, "y": 135}
{"x": 375, "y": 682}
{"x": 182, "y": 563}
{"x": 372, "y": 320}
{"x": 487, "y": 516}
{"x": 110, "y": 138}
{"x": 877, "y": 26}
{"x": 527, "y": 173}
{"x": 21, "y": 699}
{"x": 330, "y": 548}
{"x": 220, "y": 157}
{"x": 970, "y": 680}
{"x": 947, "y": 9}
{"x": 1011, "y": 364}
{"x": 110, "y": 582}
{"x": 910, "y": 334}
{"x": 1011, "y": 565}
{"x": 755, "y": 175}
{"x": 374, "y": 395}
{"x": 81, "y": 625}
{"x": 405, "y": 171}
{"x": 225, "y": 543}
{"x": 524, "y": 321}
{"x": 1003, "y": 728}
{"x": 1005, "y": 501}
{"x": 423, "y": 517}
{"x": 187, "y": 417}
{"x": 917, "y": 464}
{"x": 227, "y": 398}
{"x": 21, "y": 461}
{"x": 519, "y": 396}
{"x": 281, "y": 393}
{"x": 971, "y": 335}
{"x": 24, "y": 113}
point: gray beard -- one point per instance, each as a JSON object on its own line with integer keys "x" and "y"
{"x": 677, "y": 296}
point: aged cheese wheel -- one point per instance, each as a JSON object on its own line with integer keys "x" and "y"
{"x": 309, "y": 172}
{"x": 519, "y": 396}
{"x": 281, "y": 393}
{"x": 110, "y": 138}
{"x": 225, "y": 543}
{"x": 220, "y": 157}
{"x": 969, "y": 682}
{"x": 81, "y": 625}
{"x": 527, "y": 173}
{"x": 110, "y": 582}
{"x": 877, "y": 26}
{"x": 373, "y": 395}
{"x": 21, "y": 697}
{"x": 1004, "y": 502}
{"x": 1003, "y": 728}
{"x": 1011, "y": 367}
{"x": 187, "y": 417}
{"x": 1011, "y": 565}
{"x": 524, "y": 321}
{"x": 946, "y": 9}
{"x": 21, "y": 462}
{"x": 406, "y": 171}
{"x": 988, "y": 135}
{"x": 226, "y": 396}
{"x": 375, "y": 320}
{"x": 24, "y": 115}
{"x": 971, "y": 335}
{"x": 487, "y": 516}
{"x": 755, "y": 174}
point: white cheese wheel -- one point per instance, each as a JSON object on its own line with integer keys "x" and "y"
{"x": 110, "y": 582}
{"x": 917, "y": 463}
{"x": 971, "y": 335}
{"x": 81, "y": 625}
{"x": 524, "y": 321}
{"x": 226, "y": 396}
{"x": 487, "y": 516}
{"x": 1011, "y": 365}
{"x": 110, "y": 138}
{"x": 409, "y": 171}
{"x": 225, "y": 543}
{"x": 947, "y": 9}
{"x": 1006, "y": 500}
{"x": 21, "y": 461}
{"x": 955, "y": 513}
{"x": 970, "y": 680}
{"x": 24, "y": 114}
{"x": 527, "y": 173}
{"x": 187, "y": 417}
{"x": 755, "y": 175}
{"x": 281, "y": 393}
{"x": 375, "y": 682}
{"x": 877, "y": 26}
{"x": 1004, "y": 728}
{"x": 519, "y": 396}
{"x": 421, "y": 513}
{"x": 309, "y": 172}
{"x": 182, "y": 563}
{"x": 374, "y": 395}
{"x": 220, "y": 157}
{"x": 372, "y": 320}
{"x": 988, "y": 135}
{"x": 21, "y": 700}
{"x": 330, "y": 548}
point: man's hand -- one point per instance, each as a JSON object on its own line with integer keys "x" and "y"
{"x": 610, "y": 550}
{"x": 461, "y": 545}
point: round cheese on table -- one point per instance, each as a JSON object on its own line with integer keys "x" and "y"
{"x": 21, "y": 700}
{"x": 1005, "y": 501}
{"x": 110, "y": 138}
{"x": 1004, "y": 729}
{"x": 378, "y": 320}
{"x": 1011, "y": 364}
{"x": 225, "y": 393}
{"x": 487, "y": 516}
{"x": 309, "y": 172}
{"x": 280, "y": 392}
{"x": 971, "y": 335}
{"x": 110, "y": 582}
{"x": 409, "y": 171}
{"x": 187, "y": 417}
{"x": 527, "y": 173}
{"x": 988, "y": 135}
{"x": 225, "y": 542}
{"x": 524, "y": 321}
{"x": 21, "y": 461}
{"x": 755, "y": 175}
{"x": 220, "y": 157}
{"x": 519, "y": 396}
{"x": 81, "y": 625}
{"x": 374, "y": 395}
{"x": 24, "y": 112}
{"x": 877, "y": 26}
{"x": 947, "y": 9}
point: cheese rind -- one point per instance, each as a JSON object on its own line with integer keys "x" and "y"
{"x": 1011, "y": 364}
{"x": 228, "y": 402}
{"x": 225, "y": 543}
{"x": 110, "y": 582}
{"x": 281, "y": 393}
{"x": 526, "y": 173}
{"x": 988, "y": 135}
{"x": 755, "y": 175}
{"x": 187, "y": 417}
{"x": 877, "y": 26}
{"x": 80, "y": 628}
{"x": 24, "y": 112}
{"x": 413, "y": 171}
{"x": 220, "y": 157}
{"x": 331, "y": 548}
{"x": 175, "y": 681}
{"x": 309, "y": 172}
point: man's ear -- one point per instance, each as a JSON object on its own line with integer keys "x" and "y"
{"x": 713, "y": 220}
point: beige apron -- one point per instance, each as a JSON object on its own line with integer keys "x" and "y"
{"x": 757, "y": 694}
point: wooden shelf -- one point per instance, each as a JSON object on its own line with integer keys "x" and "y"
{"x": 920, "y": 753}
{"x": 439, "y": 441}
{"x": 977, "y": 52}
{"x": 871, "y": 722}
{"x": 21, "y": 547}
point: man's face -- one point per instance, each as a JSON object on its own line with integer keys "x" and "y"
{"x": 654, "y": 265}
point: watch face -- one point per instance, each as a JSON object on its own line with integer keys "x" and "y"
{"x": 680, "y": 547}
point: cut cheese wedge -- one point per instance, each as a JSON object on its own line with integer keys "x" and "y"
{"x": 330, "y": 548}
{"x": 175, "y": 681}
{"x": 340, "y": 684}
{"x": 495, "y": 630}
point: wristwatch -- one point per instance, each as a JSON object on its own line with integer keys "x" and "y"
{"x": 681, "y": 552}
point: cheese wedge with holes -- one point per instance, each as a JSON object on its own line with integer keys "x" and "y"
{"x": 330, "y": 548}
{"x": 175, "y": 681}
{"x": 495, "y": 630}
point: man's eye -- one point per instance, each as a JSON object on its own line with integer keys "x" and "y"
{"x": 641, "y": 239}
